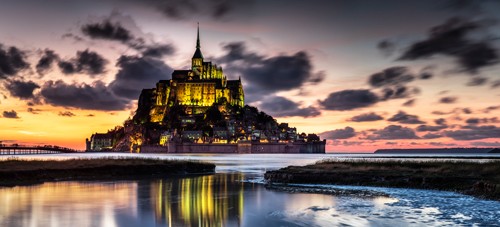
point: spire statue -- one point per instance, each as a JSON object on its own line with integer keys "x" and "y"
{"x": 198, "y": 37}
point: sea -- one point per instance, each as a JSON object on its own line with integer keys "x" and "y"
{"x": 236, "y": 195}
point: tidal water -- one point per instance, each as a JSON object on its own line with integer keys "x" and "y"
{"x": 234, "y": 196}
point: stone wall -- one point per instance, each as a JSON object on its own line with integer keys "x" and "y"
{"x": 153, "y": 149}
{"x": 244, "y": 147}
{"x": 205, "y": 148}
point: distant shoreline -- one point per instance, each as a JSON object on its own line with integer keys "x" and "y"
{"x": 477, "y": 179}
{"x": 14, "y": 172}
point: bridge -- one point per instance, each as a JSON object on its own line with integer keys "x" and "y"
{"x": 47, "y": 149}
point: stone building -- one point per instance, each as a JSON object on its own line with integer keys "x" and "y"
{"x": 100, "y": 142}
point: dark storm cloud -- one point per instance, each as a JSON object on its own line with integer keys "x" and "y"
{"x": 90, "y": 62}
{"x": 66, "y": 114}
{"x": 425, "y": 75}
{"x": 10, "y": 114}
{"x": 472, "y": 121}
{"x": 477, "y": 81}
{"x": 399, "y": 92}
{"x": 49, "y": 57}
{"x": 114, "y": 31}
{"x": 393, "y": 132}
{"x": 427, "y": 72}
{"x": 136, "y": 73}
{"x": 393, "y": 81}
{"x": 495, "y": 84}
{"x": 491, "y": 108}
{"x": 366, "y": 117}
{"x": 440, "y": 121}
{"x": 410, "y": 102}
{"x": 344, "y": 133}
{"x": 448, "y": 100}
{"x": 157, "y": 50}
{"x": 95, "y": 96}
{"x": 438, "y": 112}
{"x": 266, "y": 75}
{"x": 281, "y": 72}
{"x": 454, "y": 111}
{"x": 482, "y": 120}
{"x": 282, "y": 107}
{"x": 237, "y": 51}
{"x": 453, "y": 39}
{"x": 474, "y": 133}
{"x": 432, "y": 136}
{"x": 66, "y": 67}
{"x": 387, "y": 47}
{"x": 86, "y": 61}
{"x": 349, "y": 100}
{"x": 12, "y": 61}
{"x": 33, "y": 110}
{"x": 431, "y": 128}
{"x": 217, "y": 9}
{"x": 394, "y": 76}
{"x": 76, "y": 38}
{"x": 405, "y": 118}
{"x": 107, "y": 30}
{"x": 177, "y": 9}
{"x": 21, "y": 89}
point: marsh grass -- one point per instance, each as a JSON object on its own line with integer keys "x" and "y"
{"x": 477, "y": 178}
{"x": 16, "y": 171}
{"x": 13, "y": 164}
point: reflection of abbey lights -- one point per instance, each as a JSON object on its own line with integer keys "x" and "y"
{"x": 31, "y": 202}
{"x": 200, "y": 201}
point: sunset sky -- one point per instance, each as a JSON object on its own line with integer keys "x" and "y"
{"x": 363, "y": 74}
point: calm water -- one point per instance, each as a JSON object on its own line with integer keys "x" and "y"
{"x": 234, "y": 196}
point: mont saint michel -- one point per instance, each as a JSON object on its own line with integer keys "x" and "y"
{"x": 199, "y": 110}
{"x": 249, "y": 113}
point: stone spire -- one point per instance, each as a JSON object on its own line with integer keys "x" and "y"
{"x": 198, "y": 37}
{"x": 197, "y": 53}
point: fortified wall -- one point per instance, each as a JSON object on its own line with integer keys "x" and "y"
{"x": 241, "y": 147}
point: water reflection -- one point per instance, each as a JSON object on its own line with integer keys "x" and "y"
{"x": 66, "y": 203}
{"x": 214, "y": 200}
{"x": 230, "y": 200}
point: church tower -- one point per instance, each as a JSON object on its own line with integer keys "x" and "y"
{"x": 197, "y": 60}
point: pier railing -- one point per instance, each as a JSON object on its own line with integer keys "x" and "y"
{"x": 23, "y": 149}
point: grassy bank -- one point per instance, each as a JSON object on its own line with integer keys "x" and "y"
{"x": 478, "y": 179}
{"x": 19, "y": 172}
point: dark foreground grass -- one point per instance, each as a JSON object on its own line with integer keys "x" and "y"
{"x": 20, "y": 172}
{"x": 473, "y": 178}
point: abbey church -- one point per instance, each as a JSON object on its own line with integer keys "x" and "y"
{"x": 195, "y": 89}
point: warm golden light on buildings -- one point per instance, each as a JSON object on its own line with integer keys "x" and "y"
{"x": 196, "y": 89}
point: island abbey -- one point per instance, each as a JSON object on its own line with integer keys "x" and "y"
{"x": 199, "y": 110}
{"x": 196, "y": 89}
